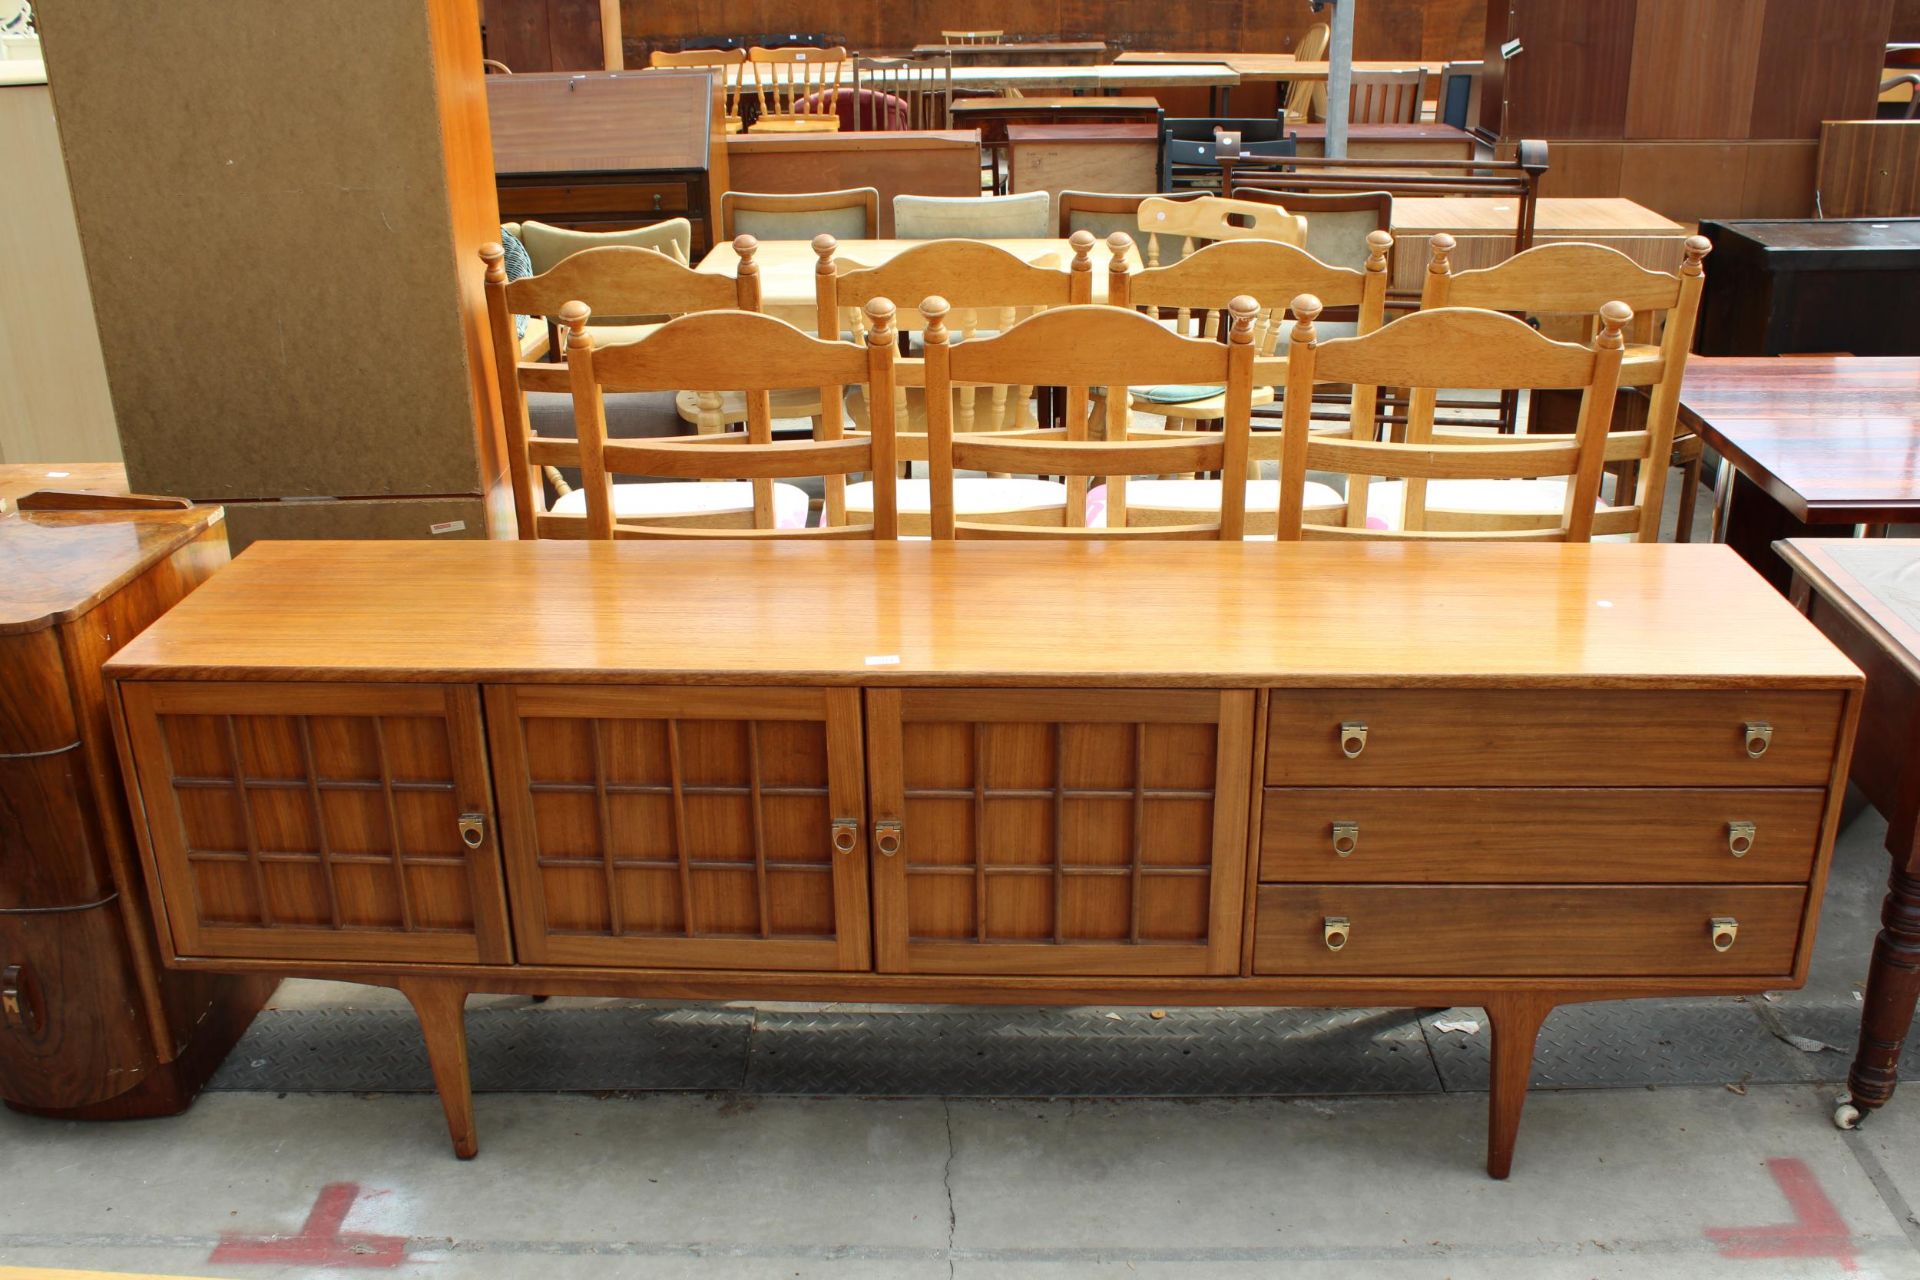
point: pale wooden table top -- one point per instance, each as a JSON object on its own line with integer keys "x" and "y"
{"x": 787, "y": 268}
{"x": 1256, "y": 67}
{"x": 1108, "y": 76}
{"x": 1554, "y": 215}
{"x": 1034, "y": 613}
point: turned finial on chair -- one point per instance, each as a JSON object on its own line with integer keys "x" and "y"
{"x": 1119, "y": 252}
{"x": 880, "y": 322}
{"x": 1693, "y": 250}
{"x": 1244, "y": 311}
{"x": 1082, "y": 242}
{"x": 575, "y": 315}
{"x": 1306, "y": 309}
{"x": 1379, "y": 245}
{"x": 745, "y": 247}
{"x": 934, "y": 309}
{"x": 1439, "y": 254}
{"x": 823, "y": 248}
{"x": 1614, "y": 316}
{"x": 495, "y": 256}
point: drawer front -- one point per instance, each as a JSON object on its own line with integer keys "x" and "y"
{"x": 1495, "y": 737}
{"x": 588, "y": 200}
{"x": 1535, "y": 932}
{"x": 71, "y": 1031}
{"x": 1675, "y": 835}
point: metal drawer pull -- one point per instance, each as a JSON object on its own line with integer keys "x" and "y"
{"x": 1336, "y": 930}
{"x": 1353, "y": 738}
{"x": 473, "y": 829}
{"x": 17, "y": 1009}
{"x": 846, "y": 834}
{"x": 886, "y": 837}
{"x": 1740, "y": 838}
{"x": 1725, "y": 929}
{"x": 1758, "y": 735}
{"x": 1346, "y": 837}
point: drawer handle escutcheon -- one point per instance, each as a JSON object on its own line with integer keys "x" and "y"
{"x": 1725, "y": 929}
{"x": 846, "y": 834}
{"x": 1353, "y": 738}
{"x": 1336, "y": 930}
{"x": 1740, "y": 838}
{"x": 18, "y": 1009}
{"x": 1758, "y": 735}
{"x": 1346, "y": 837}
{"x": 887, "y": 836}
{"x": 473, "y": 829}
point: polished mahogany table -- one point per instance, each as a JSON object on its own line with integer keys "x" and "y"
{"x": 1815, "y": 446}
{"x": 1865, "y": 595}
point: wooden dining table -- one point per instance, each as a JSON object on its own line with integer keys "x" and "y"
{"x": 1814, "y": 447}
{"x": 787, "y": 270}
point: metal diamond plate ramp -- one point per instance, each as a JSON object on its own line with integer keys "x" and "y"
{"x": 1090, "y": 1053}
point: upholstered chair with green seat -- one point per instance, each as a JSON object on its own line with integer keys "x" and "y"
{"x": 1028, "y": 216}
{"x": 853, "y": 214}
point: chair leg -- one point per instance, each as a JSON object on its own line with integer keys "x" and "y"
{"x": 1689, "y": 496}
{"x": 441, "y": 1008}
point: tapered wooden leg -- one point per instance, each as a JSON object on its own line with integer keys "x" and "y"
{"x": 1689, "y": 496}
{"x": 1893, "y": 983}
{"x": 1515, "y": 1022}
{"x": 441, "y": 1008}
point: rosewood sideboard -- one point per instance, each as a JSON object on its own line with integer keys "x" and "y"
{"x": 1027, "y": 773}
{"x": 91, "y": 1026}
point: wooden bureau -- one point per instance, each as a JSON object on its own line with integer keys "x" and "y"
{"x": 1024, "y": 773}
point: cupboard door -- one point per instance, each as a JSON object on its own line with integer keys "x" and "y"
{"x": 1060, "y": 831}
{"x": 320, "y": 821}
{"x": 683, "y": 827}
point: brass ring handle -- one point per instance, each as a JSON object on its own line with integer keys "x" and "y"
{"x": 19, "y": 1011}
{"x": 1740, "y": 837}
{"x": 1758, "y": 735}
{"x": 1353, "y": 738}
{"x": 1346, "y": 837}
{"x": 1724, "y": 929}
{"x": 846, "y": 834}
{"x": 473, "y": 830}
{"x": 1335, "y": 930}
{"x": 886, "y": 837}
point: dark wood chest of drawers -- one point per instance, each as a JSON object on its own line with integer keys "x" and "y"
{"x": 1838, "y": 285}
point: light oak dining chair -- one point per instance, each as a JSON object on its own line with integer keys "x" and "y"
{"x": 991, "y": 289}
{"x": 902, "y": 93}
{"x": 1211, "y": 218}
{"x": 712, "y": 350}
{"x": 1387, "y": 97}
{"x": 973, "y": 37}
{"x": 728, "y": 64}
{"x": 622, "y": 281}
{"x": 797, "y": 88}
{"x": 1388, "y": 481}
{"x": 1078, "y": 348}
{"x": 1307, "y": 99}
{"x": 1574, "y": 280}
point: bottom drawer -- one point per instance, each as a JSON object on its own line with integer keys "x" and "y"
{"x": 73, "y": 1033}
{"x": 1415, "y": 931}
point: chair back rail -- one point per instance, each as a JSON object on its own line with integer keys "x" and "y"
{"x": 1215, "y": 218}
{"x": 797, "y": 87}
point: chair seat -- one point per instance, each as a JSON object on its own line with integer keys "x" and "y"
{"x": 1202, "y": 497}
{"x": 670, "y": 499}
{"x": 733, "y": 405}
{"x": 972, "y": 496}
{"x": 1544, "y": 496}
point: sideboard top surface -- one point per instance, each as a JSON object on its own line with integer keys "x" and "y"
{"x": 1015, "y": 613}
{"x": 56, "y": 565}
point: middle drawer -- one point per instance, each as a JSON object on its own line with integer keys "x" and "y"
{"x": 1681, "y": 835}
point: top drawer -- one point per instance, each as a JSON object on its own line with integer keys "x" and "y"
{"x": 1549, "y": 737}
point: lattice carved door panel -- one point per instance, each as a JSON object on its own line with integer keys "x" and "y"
{"x": 684, "y": 827}
{"x": 321, "y": 821}
{"x": 1060, "y": 832}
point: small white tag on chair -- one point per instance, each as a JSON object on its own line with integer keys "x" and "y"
{"x": 447, "y": 526}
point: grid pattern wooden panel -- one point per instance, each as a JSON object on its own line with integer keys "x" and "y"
{"x": 1099, "y": 833}
{"x": 698, "y": 835}
{"x": 339, "y": 814}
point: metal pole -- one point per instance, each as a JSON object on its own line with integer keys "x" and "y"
{"x": 1339, "y": 78}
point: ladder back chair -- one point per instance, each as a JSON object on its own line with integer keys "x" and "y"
{"x": 1197, "y": 291}
{"x": 992, "y": 290}
{"x": 1215, "y": 218}
{"x": 1079, "y": 348}
{"x": 973, "y": 37}
{"x": 621, "y": 280}
{"x": 902, "y": 93}
{"x": 1455, "y": 347}
{"x": 1387, "y": 97}
{"x": 731, "y": 349}
{"x": 1575, "y": 280}
{"x": 797, "y": 88}
{"x": 1307, "y": 99}
{"x": 728, "y": 64}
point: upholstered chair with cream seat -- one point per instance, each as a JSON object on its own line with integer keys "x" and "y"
{"x": 853, "y": 214}
{"x": 1028, "y": 216}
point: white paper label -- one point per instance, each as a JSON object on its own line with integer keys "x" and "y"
{"x": 883, "y": 659}
{"x": 446, "y": 526}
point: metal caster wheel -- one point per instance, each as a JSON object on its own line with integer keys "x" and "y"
{"x": 1846, "y": 1115}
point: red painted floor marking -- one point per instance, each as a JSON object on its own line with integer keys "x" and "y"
{"x": 320, "y": 1242}
{"x": 1817, "y": 1231}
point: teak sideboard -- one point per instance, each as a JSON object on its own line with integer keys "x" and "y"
{"x": 1022, "y": 773}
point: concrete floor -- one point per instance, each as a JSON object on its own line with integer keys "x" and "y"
{"x": 1740, "y": 1180}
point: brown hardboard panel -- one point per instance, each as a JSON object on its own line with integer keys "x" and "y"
{"x": 1569, "y": 77}
{"x": 263, "y": 205}
{"x": 1780, "y": 179}
{"x": 1693, "y": 68}
{"x": 1818, "y": 62}
{"x": 1686, "y": 181}
{"x": 377, "y": 518}
{"x": 1869, "y": 168}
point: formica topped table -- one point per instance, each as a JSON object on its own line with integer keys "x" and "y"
{"x": 1815, "y": 446}
{"x": 1504, "y": 776}
{"x": 1865, "y": 596}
